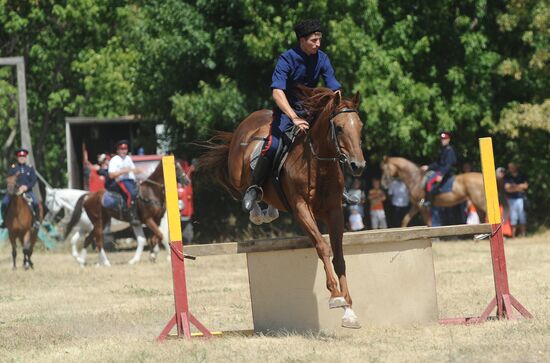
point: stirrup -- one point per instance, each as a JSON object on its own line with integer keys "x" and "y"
{"x": 249, "y": 200}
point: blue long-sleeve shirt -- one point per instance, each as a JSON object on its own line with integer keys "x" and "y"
{"x": 295, "y": 67}
{"x": 447, "y": 159}
{"x": 27, "y": 175}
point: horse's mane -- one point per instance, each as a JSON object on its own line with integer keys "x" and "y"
{"x": 319, "y": 102}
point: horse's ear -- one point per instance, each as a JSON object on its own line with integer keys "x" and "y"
{"x": 356, "y": 99}
{"x": 337, "y": 98}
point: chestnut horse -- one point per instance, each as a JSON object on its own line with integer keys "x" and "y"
{"x": 19, "y": 223}
{"x": 311, "y": 176}
{"x": 151, "y": 207}
{"x": 466, "y": 186}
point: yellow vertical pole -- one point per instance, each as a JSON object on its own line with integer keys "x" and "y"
{"x": 171, "y": 189}
{"x": 489, "y": 180}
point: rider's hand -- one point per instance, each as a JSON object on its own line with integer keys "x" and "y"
{"x": 302, "y": 124}
{"x": 438, "y": 178}
{"x": 23, "y": 188}
{"x": 424, "y": 168}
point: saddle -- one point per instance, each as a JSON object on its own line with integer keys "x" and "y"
{"x": 116, "y": 203}
{"x": 432, "y": 187}
{"x": 285, "y": 145}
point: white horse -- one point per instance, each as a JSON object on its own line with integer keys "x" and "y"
{"x": 65, "y": 199}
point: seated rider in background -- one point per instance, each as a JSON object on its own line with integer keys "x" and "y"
{"x": 441, "y": 169}
{"x": 121, "y": 170}
{"x": 304, "y": 65}
{"x": 26, "y": 179}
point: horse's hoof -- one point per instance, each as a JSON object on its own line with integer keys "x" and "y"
{"x": 350, "y": 320}
{"x": 153, "y": 257}
{"x": 337, "y": 302}
{"x": 81, "y": 261}
{"x": 133, "y": 261}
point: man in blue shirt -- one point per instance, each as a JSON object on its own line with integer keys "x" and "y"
{"x": 515, "y": 186}
{"x": 304, "y": 65}
{"x": 26, "y": 179}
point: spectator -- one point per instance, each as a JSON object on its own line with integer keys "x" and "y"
{"x": 515, "y": 185}
{"x": 503, "y": 202}
{"x": 355, "y": 219}
{"x": 377, "y": 198}
{"x": 357, "y": 193}
{"x": 399, "y": 202}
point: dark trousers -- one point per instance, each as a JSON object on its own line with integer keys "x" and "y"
{"x": 397, "y": 215}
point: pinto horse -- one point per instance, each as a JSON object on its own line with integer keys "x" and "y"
{"x": 19, "y": 223}
{"x": 466, "y": 186}
{"x": 311, "y": 177}
{"x": 151, "y": 208}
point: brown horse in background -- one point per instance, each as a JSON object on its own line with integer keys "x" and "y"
{"x": 19, "y": 221}
{"x": 150, "y": 204}
{"x": 311, "y": 177}
{"x": 466, "y": 186}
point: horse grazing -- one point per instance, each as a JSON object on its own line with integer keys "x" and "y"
{"x": 151, "y": 208}
{"x": 466, "y": 186}
{"x": 19, "y": 223}
{"x": 311, "y": 176}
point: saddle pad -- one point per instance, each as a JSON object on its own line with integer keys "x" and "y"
{"x": 112, "y": 200}
{"x": 446, "y": 186}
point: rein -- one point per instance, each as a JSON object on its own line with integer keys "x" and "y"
{"x": 340, "y": 156}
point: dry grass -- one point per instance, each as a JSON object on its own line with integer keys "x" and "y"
{"x": 62, "y": 313}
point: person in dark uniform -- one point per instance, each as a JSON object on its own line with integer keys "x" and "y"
{"x": 437, "y": 172}
{"x": 26, "y": 180}
{"x": 304, "y": 65}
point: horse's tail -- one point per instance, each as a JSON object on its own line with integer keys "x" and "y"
{"x": 75, "y": 217}
{"x": 215, "y": 160}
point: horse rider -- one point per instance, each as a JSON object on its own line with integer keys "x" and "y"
{"x": 26, "y": 179}
{"x": 302, "y": 65}
{"x": 121, "y": 170}
{"x": 442, "y": 169}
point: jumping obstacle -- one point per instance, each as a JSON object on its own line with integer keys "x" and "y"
{"x": 503, "y": 301}
{"x": 182, "y": 317}
{"x": 390, "y": 272}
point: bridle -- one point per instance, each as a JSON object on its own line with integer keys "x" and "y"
{"x": 340, "y": 156}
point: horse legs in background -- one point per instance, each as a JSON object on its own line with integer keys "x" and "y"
{"x": 164, "y": 230}
{"x": 157, "y": 237}
{"x": 335, "y": 223}
{"x": 140, "y": 236}
{"x": 410, "y": 214}
{"x": 74, "y": 237}
{"x": 13, "y": 242}
{"x": 28, "y": 245}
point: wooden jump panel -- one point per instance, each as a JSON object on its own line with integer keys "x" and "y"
{"x": 351, "y": 238}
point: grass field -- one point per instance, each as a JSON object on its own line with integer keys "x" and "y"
{"x": 62, "y": 313}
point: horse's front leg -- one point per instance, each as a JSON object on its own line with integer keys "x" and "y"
{"x": 335, "y": 224}
{"x": 410, "y": 214}
{"x": 140, "y": 237}
{"x": 13, "y": 242}
{"x": 157, "y": 237}
{"x": 307, "y": 221}
{"x": 27, "y": 250}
